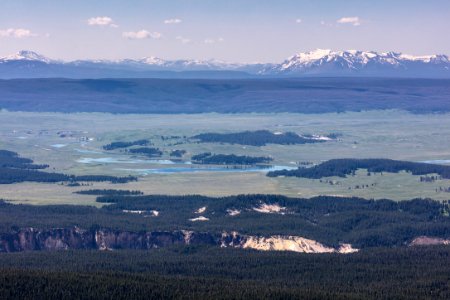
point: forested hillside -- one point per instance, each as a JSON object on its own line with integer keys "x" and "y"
{"x": 328, "y": 220}
{"x": 307, "y": 95}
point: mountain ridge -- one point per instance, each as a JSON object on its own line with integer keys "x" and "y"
{"x": 319, "y": 62}
{"x": 356, "y": 61}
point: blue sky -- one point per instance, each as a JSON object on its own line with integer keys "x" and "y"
{"x": 232, "y": 30}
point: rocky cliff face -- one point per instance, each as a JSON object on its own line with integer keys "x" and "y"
{"x": 103, "y": 239}
{"x": 55, "y": 239}
{"x": 31, "y": 239}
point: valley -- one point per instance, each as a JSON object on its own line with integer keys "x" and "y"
{"x": 70, "y": 146}
{"x": 225, "y": 176}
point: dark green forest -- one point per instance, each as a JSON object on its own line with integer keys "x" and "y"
{"x": 11, "y": 160}
{"x": 229, "y": 159}
{"x": 119, "y": 145}
{"x": 214, "y": 273}
{"x": 255, "y": 138}
{"x": 17, "y": 169}
{"x": 347, "y": 166}
{"x": 147, "y": 151}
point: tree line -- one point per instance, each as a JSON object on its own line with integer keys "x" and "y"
{"x": 228, "y": 159}
{"x": 120, "y": 144}
{"x": 15, "y": 169}
{"x": 147, "y": 151}
{"x": 345, "y": 167}
{"x": 255, "y": 138}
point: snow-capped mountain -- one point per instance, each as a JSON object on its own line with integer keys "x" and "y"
{"x": 26, "y": 55}
{"x": 28, "y": 64}
{"x": 353, "y": 62}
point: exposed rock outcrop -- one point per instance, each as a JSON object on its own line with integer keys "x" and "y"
{"x": 31, "y": 239}
{"x": 428, "y": 241}
{"x": 293, "y": 243}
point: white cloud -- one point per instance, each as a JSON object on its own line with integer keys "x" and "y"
{"x": 172, "y": 21}
{"x": 298, "y": 21}
{"x": 101, "y": 21}
{"x": 355, "y": 21}
{"x": 16, "y": 33}
{"x": 141, "y": 34}
{"x": 183, "y": 40}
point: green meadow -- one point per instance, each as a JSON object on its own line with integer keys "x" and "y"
{"x": 72, "y": 144}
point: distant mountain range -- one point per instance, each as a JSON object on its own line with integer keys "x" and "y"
{"x": 317, "y": 63}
